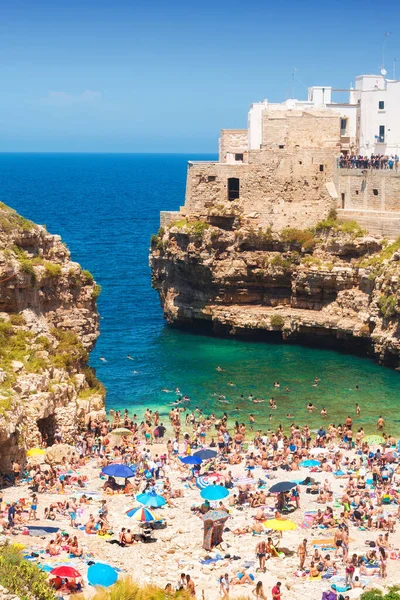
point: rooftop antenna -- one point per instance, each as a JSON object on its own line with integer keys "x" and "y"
{"x": 385, "y": 37}
{"x": 293, "y": 75}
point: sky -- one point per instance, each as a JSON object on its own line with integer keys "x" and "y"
{"x": 167, "y": 75}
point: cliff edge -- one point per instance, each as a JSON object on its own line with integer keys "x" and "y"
{"x": 48, "y": 324}
{"x": 331, "y": 285}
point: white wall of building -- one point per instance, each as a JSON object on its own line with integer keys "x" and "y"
{"x": 371, "y": 91}
{"x": 368, "y": 92}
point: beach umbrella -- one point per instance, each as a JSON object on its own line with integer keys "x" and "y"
{"x": 191, "y": 460}
{"x": 280, "y": 524}
{"x": 310, "y": 463}
{"x": 206, "y": 480}
{"x": 121, "y": 431}
{"x": 214, "y": 492}
{"x": 101, "y": 574}
{"x": 205, "y": 454}
{"x": 36, "y": 452}
{"x": 373, "y": 439}
{"x": 283, "y": 486}
{"x": 118, "y": 470}
{"x": 65, "y": 571}
{"x": 141, "y": 513}
{"x": 151, "y": 499}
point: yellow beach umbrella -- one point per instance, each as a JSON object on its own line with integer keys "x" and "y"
{"x": 36, "y": 452}
{"x": 373, "y": 439}
{"x": 280, "y": 525}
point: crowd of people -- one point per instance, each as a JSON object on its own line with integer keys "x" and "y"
{"x": 375, "y": 161}
{"x": 358, "y": 492}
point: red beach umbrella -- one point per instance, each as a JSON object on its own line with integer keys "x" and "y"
{"x": 65, "y": 571}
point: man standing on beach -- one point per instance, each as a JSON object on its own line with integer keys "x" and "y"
{"x": 276, "y": 591}
{"x": 302, "y": 553}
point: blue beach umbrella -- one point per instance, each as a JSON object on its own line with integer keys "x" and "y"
{"x": 191, "y": 460}
{"x": 214, "y": 492}
{"x": 151, "y": 499}
{"x": 118, "y": 470}
{"x": 101, "y": 574}
{"x": 310, "y": 463}
{"x": 205, "y": 454}
{"x": 283, "y": 486}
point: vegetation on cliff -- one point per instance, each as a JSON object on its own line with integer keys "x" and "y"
{"x": 333, "y": 279}
{"x": 22, "y": 577}
{"x": 48, "y": 324}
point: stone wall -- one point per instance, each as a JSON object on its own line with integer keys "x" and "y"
{"x": 231, "y": 142}
{"x": 300, "y": 129}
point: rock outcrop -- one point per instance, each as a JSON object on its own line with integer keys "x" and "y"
{"x": 48, "y": 324}
{"x": 331, "y": 285}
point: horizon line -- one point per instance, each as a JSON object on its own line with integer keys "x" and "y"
{"x": 95, "y": 152}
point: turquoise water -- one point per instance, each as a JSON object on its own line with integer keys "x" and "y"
{"x": 106, "y": 207}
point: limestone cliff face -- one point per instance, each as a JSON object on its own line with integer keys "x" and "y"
{"x": 48, "y": 324}
{"x": 331, "y": 285}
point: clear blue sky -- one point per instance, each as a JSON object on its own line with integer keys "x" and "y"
{"x": 166, "y": 75}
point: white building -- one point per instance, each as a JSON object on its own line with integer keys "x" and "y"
{"x": 370, "y": 120}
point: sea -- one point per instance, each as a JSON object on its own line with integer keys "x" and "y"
{"x": 105, "y": 207}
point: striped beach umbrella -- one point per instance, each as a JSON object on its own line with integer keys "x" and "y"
{"x": 211, "y": 479}
{"x": 141, "y": 513}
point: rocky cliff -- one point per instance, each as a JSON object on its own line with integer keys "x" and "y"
{"x": 332, "y": 285}
{"x": 48, "y": 324}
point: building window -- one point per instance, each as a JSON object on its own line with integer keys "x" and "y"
{"x": 239, "y": 157}
{"x": 381, "y": 133}
{"x": 211, "y": 178}
{"x": 381, "y": 105}
{"x": 343, "y": 126}
{"x": 233, "y": 188}
{"x": 356, "y": 192}
{"x": 281, "y": 146}
{"x": 375, "y": 192}
{"x": 343, "y": 198}
{"x": 321, "y": 168}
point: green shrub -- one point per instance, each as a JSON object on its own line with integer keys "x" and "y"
{"x": 198, "y": 228}
{"x": 299, "y": 238}
{"x": 70, "y": 351}
{"x": 88, "y": 277}
{"x": 52, "y": 269}
{"x": 387, "y": 305}
{"x": 22, "y": 577}
{"x": 96, "y": 291}
{"x": 17, "y": 319}
{"x": 277, "y": 321}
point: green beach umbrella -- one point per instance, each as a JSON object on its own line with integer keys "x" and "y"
{"x": 373, "y": 439}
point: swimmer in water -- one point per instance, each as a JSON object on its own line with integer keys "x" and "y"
{"x": 310, "y": 407}
{"x": 277, "y": 384}
{"x": 289, "y": 416}
{"x": 103, "y": 359}
{"x": 257, "y": 401}
{"x": 220, "y": 369}
{"x": 177, "y": 391}
{"x": 231, "y": 384}
{"x": 130, "y": 357}
{"x": 166, "y": 391}
{"x": 358, "y": 409}
{"x": 324, "y": 412}
{"x": 270, "y": 417}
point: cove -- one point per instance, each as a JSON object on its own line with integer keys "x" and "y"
{"x": 106, "y": 206}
